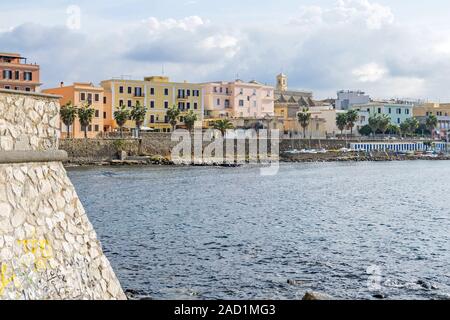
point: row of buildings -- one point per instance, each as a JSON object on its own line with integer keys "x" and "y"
{"x": 246, "y": 104}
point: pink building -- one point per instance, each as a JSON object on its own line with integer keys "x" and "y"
{"x": 238, "y": 99}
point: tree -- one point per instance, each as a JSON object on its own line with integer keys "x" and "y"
{"x": 121, "y": 115}
{"x": 365, "y": 130}
{"x": 341, "y": 122}
{"x": 172, "y": 114}
{"x": 393, "y": 129}
{"x": 413, "y": 124}
{"x": 352, "y": 117}
{"x": 383, "y": 123}
{"x": 223, "y": 126}
{"x": 85, "y": 115}
{"x": 374, "y": 123}
{"x": 431, "y": 124}
{"x": 304, "y": 118}
{"x": 404, "y": 128}
{"x": 68, "y": 114}
{"x": 189, "y": 120}
{"x": 137, "y": 114}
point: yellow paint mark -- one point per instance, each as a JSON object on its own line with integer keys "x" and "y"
{"x": 41, "y": 250}
{"x": 4, "y": 279}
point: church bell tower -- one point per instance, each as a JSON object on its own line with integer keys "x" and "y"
{"x": 282, "y": 84}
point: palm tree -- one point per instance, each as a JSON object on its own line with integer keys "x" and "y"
{"x": 68, "y": 114}
{"x": 137, "y": 114}
{"x": 393, "y": 129}
{"x": 172, "y": 114}
{"x": 304, "y": 117}
{"x": 223, "y": 126}
{"x": 374, "y": 124}
{"x": 413, "y": 125}
{"x": 431, "y": 124}
{"x": 121, "y": 115}
{"x": 189, "y": 120}
{"x": 352, "y": 117}
{"x": 85, "y": 115}
{"x": 383, "y": 123}
{"x": 341, "y": 122}
{"x": 404, "y": 128}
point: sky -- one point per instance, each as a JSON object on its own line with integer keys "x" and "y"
{"x": 390, "y": 49}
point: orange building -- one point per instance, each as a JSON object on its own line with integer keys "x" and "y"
{"x": 16, "y": 74}
{"x": 80, "y": 94}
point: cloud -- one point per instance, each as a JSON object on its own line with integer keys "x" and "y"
{"x": 370, "y": 72}
{"x": 352, "y": 44}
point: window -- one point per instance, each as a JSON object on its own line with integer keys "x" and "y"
{"x": 97, "y": 113}
{"x": 104, "y": 115}
{"x": 215, "y": 89}
{"x": 7, "y": 87}
{"x": 120, "y": 103}
{"x": 390, "y": 110}
{"x": 130, "y": 90}
{"x": 152, "y": 91}
{"x": 166, "y": 119}
{"x": 407, "y": 111}
{"x": 152, "y": 104}
{"x": 90, "y": 127}
{"x": 188, "y": 93}
{"x": 17, "y": 75}
{"x": 83, "y": 96}
{"x": 218, "y": 102}
{"x": 166, "y": 104}
{"x": 28, "y": 76}
{"x": 97, "y": 97}
{"x": 241, "y": 103}
{"x": 379, "y": 110}
{"x": 254, "y": 104}
{"x": 152, "y": 119}
{"x": 104, "y": 100}
{"x": 130, "y": 103}
{"x": 138, "y": 92}
{"x": 398, "y": 120}
{"x": 195, "y": 105}
{"x": 227, "y": 103}
{"x": 28, "y": 89}
{"x": 97, "y": 128}
{"x": 399, "y": 111}
{"x": 120, "y": 89}
{"x": 16, "y": 88}
{"x": 166, "y": 91}
{"x": 188, "y": 105}
{"x": 7, "y": 74}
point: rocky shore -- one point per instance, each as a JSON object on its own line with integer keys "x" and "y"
{"x": 286, "y": 158}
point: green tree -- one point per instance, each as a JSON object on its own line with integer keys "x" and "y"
{"x": 431, "y": 124}
{"x": 137, "y": 114}
{"x": 404, "y": 128}
{"x": 365, "y": 130}
{"x": 223, "y": 126}
{"x": 85, "y": 115}
{"x": 413, "y": 124}
{"x": 189, "y": 120}
{"x": 352, "y": 116}
{"x": 68, "y": 114}
{"x": 393, "y": 129}
{"x": 374, "y": 123}
{"x": 383, "y": 123}
{"x": 341, "y": 122}
{"x": 173, "y": 114}
{"x": 121, "y": 115}
{"x": 304, "y": 118}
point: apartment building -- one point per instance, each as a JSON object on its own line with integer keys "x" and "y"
{"x": 398, "y": 112}
{"x": 157, "y": 94}
{"x": 80, "y": 94}
{"x": 17, "y": 74}
{"x": 238, "y": 100}
{"x": 440, "y": 110}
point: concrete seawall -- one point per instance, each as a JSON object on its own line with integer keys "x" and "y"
{"x": 48, "y": 247}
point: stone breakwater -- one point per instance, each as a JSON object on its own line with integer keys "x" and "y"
{"x": 48, "y": 247}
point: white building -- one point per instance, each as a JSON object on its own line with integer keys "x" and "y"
{"x": 347, "y": 99}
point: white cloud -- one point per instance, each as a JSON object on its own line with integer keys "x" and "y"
{"x": 191, "y": 24}
{"x": 370, "y": 72}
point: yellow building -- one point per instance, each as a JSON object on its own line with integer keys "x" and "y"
{"x": 157, "y": 94}
{"x": 440, "y": 110}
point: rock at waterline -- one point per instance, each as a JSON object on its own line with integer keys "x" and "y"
{"x": 311, "y": 296}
